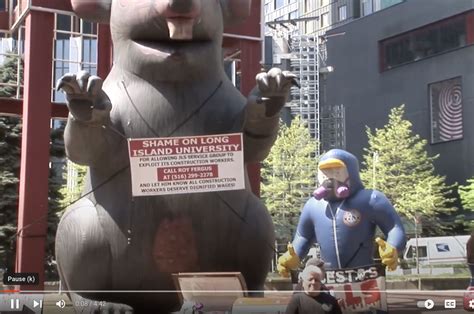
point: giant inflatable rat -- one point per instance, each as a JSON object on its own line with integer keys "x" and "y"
{"x": 167, "y": 80}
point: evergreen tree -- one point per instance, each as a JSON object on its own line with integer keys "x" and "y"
{"x": 466, "y": 193}
{"x": 10, "y": 147}
{"x": 72, "y": 191}
{"x": 56, "y": 181}
{"x": 288, "y": 176}
{"x": 396, "y": 163}
{"x": 9, "y": 70}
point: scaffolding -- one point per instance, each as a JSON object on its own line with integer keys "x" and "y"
{"x": 308, "y": 55}
{"x": 333, "y": 121}
{"x": 305, "y": 100}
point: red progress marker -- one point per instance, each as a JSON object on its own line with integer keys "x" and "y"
{"x": 9, "y": 291}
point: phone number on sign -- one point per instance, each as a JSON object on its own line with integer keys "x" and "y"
{"x": 187, "y": 173}
{"x": 191, "y": 176}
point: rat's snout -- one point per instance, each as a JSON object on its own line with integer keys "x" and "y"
{"x": 189, "y": 8}
{"x": 180, "y": 15}
{"x": 178, "y": 8}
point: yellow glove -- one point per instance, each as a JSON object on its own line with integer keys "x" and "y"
{"x": 388, "y": 254}
{"x": 288, "y": 261}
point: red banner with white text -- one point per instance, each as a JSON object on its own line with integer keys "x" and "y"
{"x": 358, "y": 289}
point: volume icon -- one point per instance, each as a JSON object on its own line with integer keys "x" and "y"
{"x": 61, "y": 304}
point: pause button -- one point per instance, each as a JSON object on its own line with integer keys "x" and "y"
{"x": 15, "y": 304}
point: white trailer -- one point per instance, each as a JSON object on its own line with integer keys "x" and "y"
{"x": 437, "y": 250}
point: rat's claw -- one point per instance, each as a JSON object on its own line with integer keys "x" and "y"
{"x": 94, "y": 85}
{"x": 82, "y": 78}
{"x": 262, "y": 82}
{"x": 278, "y": 80}
{"x": 295, "y": 83}
{"x": 289, "y": 75}
{"x": 68, "y": 84}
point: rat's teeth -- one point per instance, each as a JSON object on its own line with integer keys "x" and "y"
{"x": 180, "y": 29}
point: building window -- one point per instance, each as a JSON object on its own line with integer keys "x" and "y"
{"x": 324, "y": 20}
{"x": 388, "y": 3}
{"x": 366, "y": 7}
{"x": 424, "y": 42}
{"x": 293, "y": 15}
{"x": 309, "y": 26}
{"x": 324, "y": 3}
{"x": 342, "y": 12}
{"x": 267, "y": 8}
{"x": 308, "y": 6}
{"x": 75, "y": 48}
{"x": 370, "y": 6}
{"x": 446, "y": 110}
{"x": 422, "y": 251}
{"x": 279, "y": 3}
{"x": 12, "y": 52}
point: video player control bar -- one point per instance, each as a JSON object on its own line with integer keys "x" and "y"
{"x": 31, "y": 303}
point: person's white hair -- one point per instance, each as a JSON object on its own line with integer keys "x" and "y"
{"x": 309, "y": 269}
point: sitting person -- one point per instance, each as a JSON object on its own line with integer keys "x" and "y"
{"x": 316, "y": 262}
{"x": 311, "y": 300}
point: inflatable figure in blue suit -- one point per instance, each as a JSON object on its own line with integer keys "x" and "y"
{"x": 342, "y": 217}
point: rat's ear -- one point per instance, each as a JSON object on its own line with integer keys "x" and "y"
{"x": 235, "y": 11}
{"x": 93, "y": 10}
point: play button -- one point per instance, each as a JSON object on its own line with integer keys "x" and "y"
{"x": 429, "y": 304}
